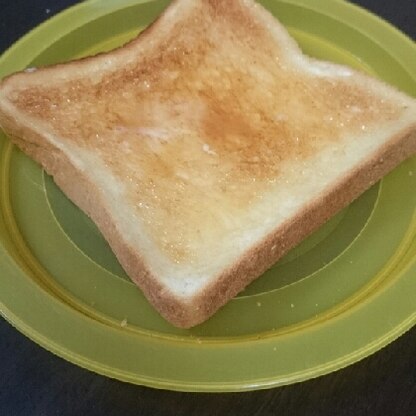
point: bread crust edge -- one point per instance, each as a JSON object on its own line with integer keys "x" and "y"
{"x": 186, "y": 313}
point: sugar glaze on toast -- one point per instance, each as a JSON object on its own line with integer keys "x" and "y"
{"x": 207, "y": 147}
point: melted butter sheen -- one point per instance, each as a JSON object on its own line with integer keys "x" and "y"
{"x": 201, "y": 128}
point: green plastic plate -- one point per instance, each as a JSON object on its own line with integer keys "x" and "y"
{"x": 344, "y": 293}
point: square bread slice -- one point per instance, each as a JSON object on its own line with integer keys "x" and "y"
{"x": 207, "y": 147}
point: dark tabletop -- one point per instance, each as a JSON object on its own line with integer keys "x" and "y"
{"x": 35, "y": 382}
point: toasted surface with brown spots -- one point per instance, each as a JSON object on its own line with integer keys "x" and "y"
{"x": 251, "y": 114}
{"x": 202, "y": 115}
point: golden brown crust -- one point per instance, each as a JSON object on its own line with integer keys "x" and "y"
{"x": 78, "y": 187}
{"x": 84, "y": 193}
{"x": 258, "y": 259}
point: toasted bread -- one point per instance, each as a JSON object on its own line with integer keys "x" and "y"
{"x": 207, "y": 147}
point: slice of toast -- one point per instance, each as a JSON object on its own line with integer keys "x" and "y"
{"x": 207, "y": 147}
